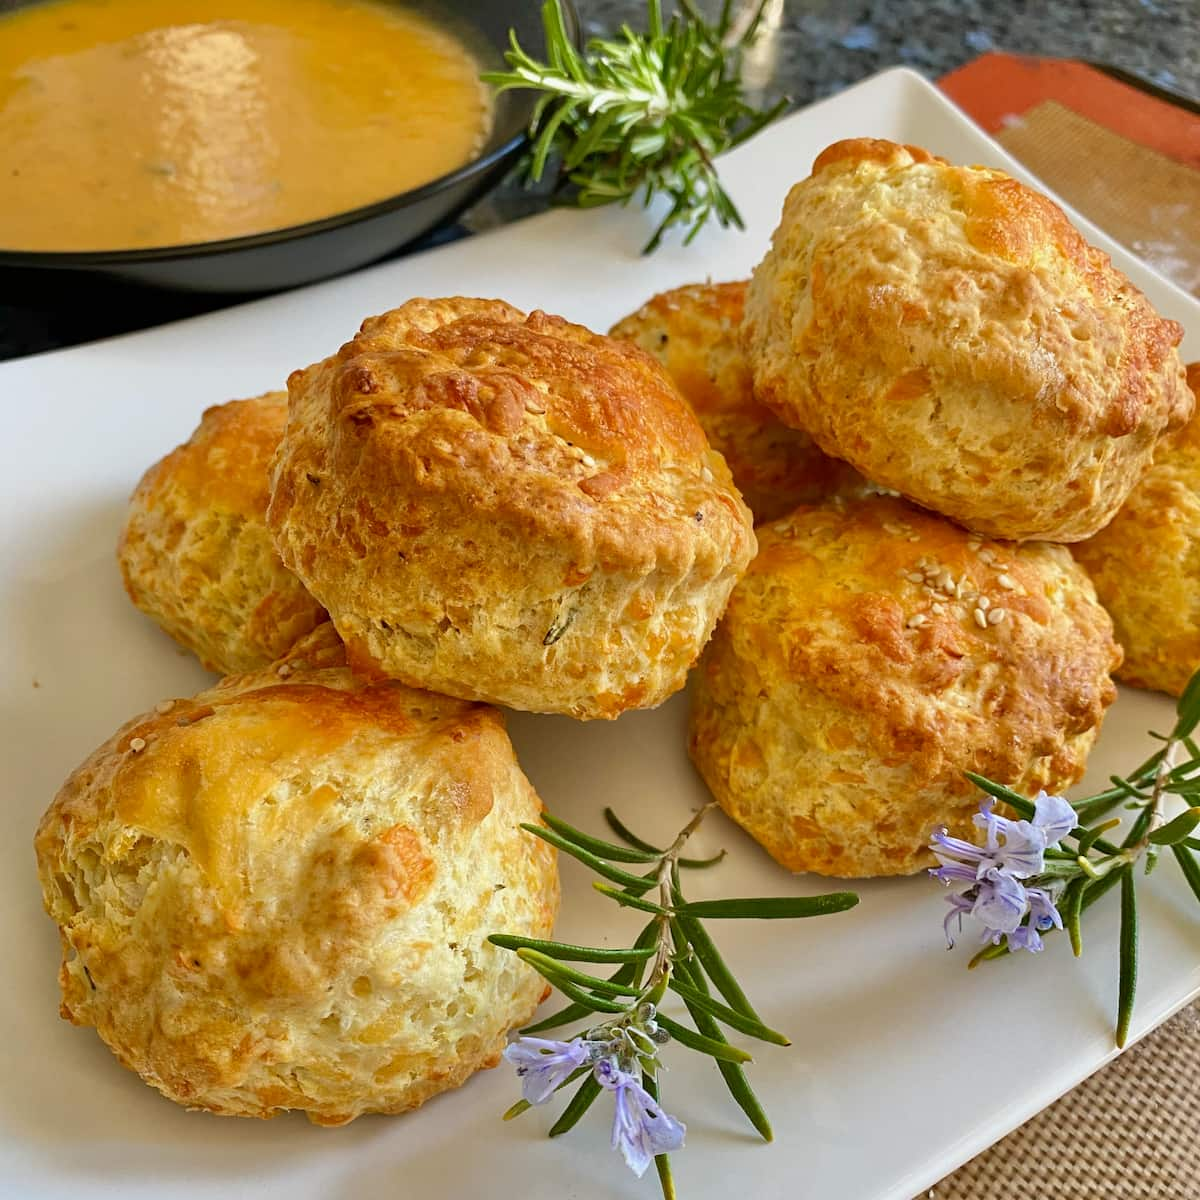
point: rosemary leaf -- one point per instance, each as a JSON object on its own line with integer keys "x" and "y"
{"x": 1188, "y": 708}
{"x": 734, "y": 1077}
{"x": 1096, "y": 888}
{"x": 1072, "y": 910}
{"x": 1189, "y": 867}
{"x": 1127, "y": 987}
{"x": 588, "y": 1001}
{"x": 561, "y": 950}
{"x": 1176, "y": 830}
{"x": 714, "y": 965}
{"x": 589, "y": 1089}
{"x": 557, "y": 973}
{"x": 628, "y": 901}
{"x": 720, "y": 1050}
{"x": 629, "y": 973}
{"x": 769, "y": 908}
{"x": 728, "y": 1016}
{"x": 1018, "y": 803}
{"x": 598, "y": 846}
{"x": 616, "y": 825}
{"x": 634, "y": 883}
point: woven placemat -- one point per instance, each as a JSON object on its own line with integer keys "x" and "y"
{"x": 1129, "y": 1133}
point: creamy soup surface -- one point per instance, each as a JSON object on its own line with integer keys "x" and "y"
{"x": 132, "y": 123}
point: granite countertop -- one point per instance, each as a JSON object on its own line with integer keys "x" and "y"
{"x": 808, "y": 49}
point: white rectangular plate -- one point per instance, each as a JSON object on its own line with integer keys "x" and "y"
{"x": 904, "y": 1064}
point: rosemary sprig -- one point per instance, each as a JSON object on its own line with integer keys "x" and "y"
{"x": 1084, "y": 865}
{"x": 673, "y": 953}
{"x": 642, "y": 113}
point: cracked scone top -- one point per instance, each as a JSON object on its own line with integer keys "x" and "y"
{"x": 507, "y": 507}
{"x": 872, "y": 654}
{"x": 948, "y": 332}
{"x": 276, "y": 894}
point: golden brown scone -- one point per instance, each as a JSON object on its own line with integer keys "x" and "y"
{"x": 507, "y": 508}
{"x": 693, "y": 332}
{"x": 874, "y": 652}
{"x": 1146, "y": 565}
{"x": 276, "y": 895}
{"x": 196, "y": 554}
{"x": 948, "y": 332}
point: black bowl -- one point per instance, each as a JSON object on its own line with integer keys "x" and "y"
{"x": 282, "y": 258}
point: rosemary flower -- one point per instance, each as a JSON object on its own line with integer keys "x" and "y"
{"x": 1012, "y": 852}
{"x": 640, "y": 1129}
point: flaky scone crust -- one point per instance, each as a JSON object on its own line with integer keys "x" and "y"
{"x": 195, "y": 552}
{"x": 282, "y": 899}
{"x": 508, "y": 508}
{"x": 851, "y": 683}
{"x": 1146, "y": 565}
{"x": 948, "y": 332}
{"x": 694, "y": 332}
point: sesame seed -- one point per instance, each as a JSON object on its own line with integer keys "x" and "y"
{"x": 1007, "y": 582}
{"x": 914, "y": 537}
{"x": 973, "y": 546}
{"x": 1000, "y": 566}
{"x": 706, "y": 475}
{"x": 996, "y": 616}
{"x": 915, "y": 577}
{"x": 894, "y": 530}
{"x": 961, "y": 591}
{"x": 164, "y": 706}
{"x": 980, "y": 618}
{"x": 938, "y": 608}
{"x": 587, "y": 460}
{"x": 283, "y": 670}
{"x": 137, "y": 744}
{"x": 988, "y": 554}
{"x": 984, "y": 603}
{"x": 946, "y": 583}
{"x": 917, "y": 620}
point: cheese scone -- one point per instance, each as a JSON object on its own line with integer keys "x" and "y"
{"x": 507, "y": 507}
{"x": 1146, "y": 566}
{"x": 277, "y": 894}
{"x": 195, "y": 552}
{"x": 872, "y": 654}
{"x": 947, "y": 331}
{"x": 694, "y": 332}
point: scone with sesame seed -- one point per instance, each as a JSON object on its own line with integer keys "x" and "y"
{"x": 694, "y": 332}
{"x": 277, "y": 894}
{"x": 195, "y": 553}
{"x": 1146, "y": 566}
{"x": 507, "y": 507}
{"x": 947, "y": 331}
{"x": 872, "y": 654}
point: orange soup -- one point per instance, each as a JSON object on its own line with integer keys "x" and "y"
{"x": 132, "y": 123}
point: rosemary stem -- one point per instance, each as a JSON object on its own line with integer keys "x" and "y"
{"x": 661, "y": 970}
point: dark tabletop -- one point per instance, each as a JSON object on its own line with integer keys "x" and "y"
{"x": 808, "y": 49}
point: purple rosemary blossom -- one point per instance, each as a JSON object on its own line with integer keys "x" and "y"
{"x": 640, "y": 1127}
{"x": 1042, "y": 916}
{"x": 990, "y": 876}
{"x": 543, "y": 1064}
